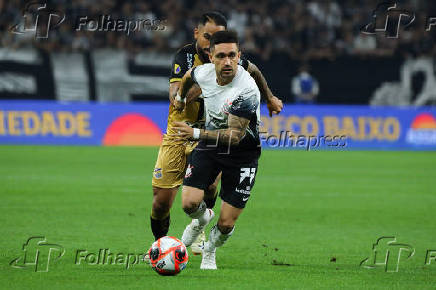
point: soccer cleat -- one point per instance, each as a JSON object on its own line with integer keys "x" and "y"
{"x": 208, "y": 261}
{"x": 197, "y": 246}
{"x": 194, "y": 229}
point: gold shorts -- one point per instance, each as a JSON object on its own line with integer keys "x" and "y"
{"x": 170, "y": 167}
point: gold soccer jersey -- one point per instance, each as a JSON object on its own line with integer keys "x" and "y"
{"x": 171, "y": 161}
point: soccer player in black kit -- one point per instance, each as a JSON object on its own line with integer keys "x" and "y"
{"x": 229, "y": 143}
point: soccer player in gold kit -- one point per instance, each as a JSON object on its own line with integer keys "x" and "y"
{"x": 170, "y": 166}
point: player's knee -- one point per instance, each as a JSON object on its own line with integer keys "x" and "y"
{"x": 189, "y": 206}
{"x": 225, "y": 227}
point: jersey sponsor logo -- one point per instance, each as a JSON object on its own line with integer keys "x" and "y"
{"x": 177, "y": 68}
{"x": 243, "y": 191}
{"x": 157, "y": 173}
{"x": 189, "y": 60}
{"x": 189, "y": 171}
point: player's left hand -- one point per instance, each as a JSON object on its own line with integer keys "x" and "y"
{"x": 274, "y": 105}
{"x": 184, "y": 131}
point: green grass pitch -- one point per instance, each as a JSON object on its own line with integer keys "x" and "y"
{"x": 316, "y": 214}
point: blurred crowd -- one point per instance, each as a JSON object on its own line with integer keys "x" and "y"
{"x": 300, "y": 29}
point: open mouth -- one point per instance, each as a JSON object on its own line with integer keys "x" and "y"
{"x": 227, "y": 70}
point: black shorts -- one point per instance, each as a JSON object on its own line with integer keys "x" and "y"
{"x": 238, "y": 174}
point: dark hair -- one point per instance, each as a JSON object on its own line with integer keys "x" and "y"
{"x": 224, "y": 36}
{"x": 214, "y": 16}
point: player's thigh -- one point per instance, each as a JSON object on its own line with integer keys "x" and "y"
{"x": 212, "y": 189}
{"x": 201, "y": 170}
{"x": 170, "y": 166}
{"x": 237, "y": 181}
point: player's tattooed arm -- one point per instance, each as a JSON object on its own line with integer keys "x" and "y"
{"x": 186, "y": 84}
{"x": 274, "y": 104}
{"x": 174, "y": 88}
{"x": 193, "y": 93}
{"x": 237, "y": 127}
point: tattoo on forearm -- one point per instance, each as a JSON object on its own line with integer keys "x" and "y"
{"x": 232, "y": 135}
{"x": 186, "y": 84}
{"x": 174, "y": 87}
{"x": 193, "y": 93}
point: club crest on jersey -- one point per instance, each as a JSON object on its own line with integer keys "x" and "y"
{"x": 177, "y": 68}
{"x": 226, "y": 107}
{"x": 189, "y": 171}
{"x": 157, "y": 173}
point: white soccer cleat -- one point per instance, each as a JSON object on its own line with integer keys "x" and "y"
{"x": 194, "y": 229}
{"x": 197, "y": 246}
{"x": 208, "y": 261}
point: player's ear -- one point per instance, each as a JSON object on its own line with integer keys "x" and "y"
{"x": 195, "y": 33}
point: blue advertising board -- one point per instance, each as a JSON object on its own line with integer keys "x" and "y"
{"x": 143, "y": 124}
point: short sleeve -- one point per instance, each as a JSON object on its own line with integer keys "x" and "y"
{"x": 179, "y": 67}
{"x": 245, "y": 105}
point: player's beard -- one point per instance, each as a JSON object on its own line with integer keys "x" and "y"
{"x": 227, "y": 76}
{"x": 204, "y": 56}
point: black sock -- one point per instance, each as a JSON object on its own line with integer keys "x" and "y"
{"x": 160, "y": 227}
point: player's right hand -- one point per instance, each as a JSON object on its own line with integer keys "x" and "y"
{"x": 274, "y": 105}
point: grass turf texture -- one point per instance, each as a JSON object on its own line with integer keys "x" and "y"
{"x": 318, "y": 211}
